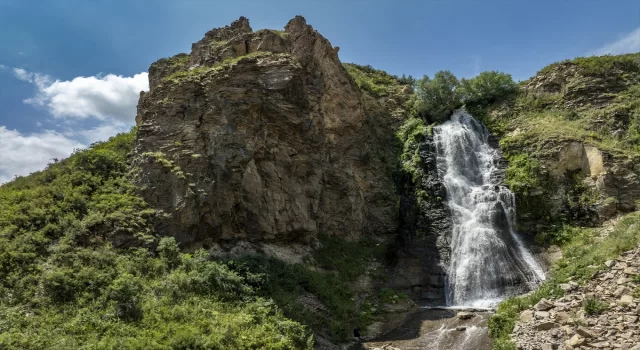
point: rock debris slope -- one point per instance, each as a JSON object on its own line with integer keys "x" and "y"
{"x": 602, "y": 314}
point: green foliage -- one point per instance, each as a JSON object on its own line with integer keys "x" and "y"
{"x": 390, "y": 296}
{"x": 178, "y": 61}
{"x": 375, "y": 82}
{"x": 168, "y": 164}
{"x": 601, "y": 65}
{"x": 63, "y": 285}
{"x": 487, "y": 88}
{"x": 411, "y": 134}
{"x": 125, "y": 292}
{"x": 337, "y": 264}
{"x": 523, "y": 174}
{"x": 202, "y": 71}
{"x": 438, "y": 97}
{"x": 168, "y": 250}
{"x": 593, "y": 306}
{"x": 558, "y": 235}
{"x": 503, "y": 344}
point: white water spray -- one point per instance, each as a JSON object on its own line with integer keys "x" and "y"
{"x": 488, "y": 260}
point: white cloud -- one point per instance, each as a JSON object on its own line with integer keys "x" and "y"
{"x": 22, "y": 154}
{"x": 110, "y": 97}
{"x": 629, "y": 43}
{"x": 100, "y": 133}
{"x": 23, "y": 75}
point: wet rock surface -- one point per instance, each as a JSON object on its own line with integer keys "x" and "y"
{"x": 422, "y": 251}
{"x": 608, "y": 321}
{"x": 438, "y": 329}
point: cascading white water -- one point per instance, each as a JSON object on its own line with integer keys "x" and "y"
{"x": 488, "y": 259}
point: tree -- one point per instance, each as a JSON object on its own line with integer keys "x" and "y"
{"x": 437, "y": 97}
{"x": 486, "y": 88}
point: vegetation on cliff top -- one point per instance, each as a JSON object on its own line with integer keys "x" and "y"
{"x": 600, "y": 65}
{"x": 438, "y": 97}
{"x": 374, "y": 81}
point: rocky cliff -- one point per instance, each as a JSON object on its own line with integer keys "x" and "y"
{"x": 261, "y": 136}
{"x": 571, "y": 137}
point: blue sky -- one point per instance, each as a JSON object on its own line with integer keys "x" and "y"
{"x": 70, "y": 70}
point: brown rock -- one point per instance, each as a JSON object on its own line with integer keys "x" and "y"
{"x": 271, "y": 144}
{"x": 584, "y": 332}
{"x": 542, "y": 314}
{"x": 631, "y": 319}
{"x": 576, "y": 340}
{"x": 544, "y": 305}
{"x": 463, "y": 315}
{"x": 545, "y": 326}
{"x": 626, "y": 299}
{"x": 562, "y": 317}
{"x": 526, "y": 316}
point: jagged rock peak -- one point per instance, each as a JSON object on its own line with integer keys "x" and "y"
{"x": 218, "y": 45}
{"x": 237, "y": 27}
{"x": 258, "y": 136}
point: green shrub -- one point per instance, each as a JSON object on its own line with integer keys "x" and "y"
{"x": 523, "y": 174}
{"x": 125, "y": 292}
{"x": 438, "y": 97}
{"x": 487, "y": 88}
{"x": 374, "y": 81}
{"x": 168, "y": 251}
{"x": 63, "y": 285}
{"x": 593, "y": 306}
{"x": 411, "y": 134}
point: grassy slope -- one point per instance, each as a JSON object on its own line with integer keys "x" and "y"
{"x": 64, "y": 285}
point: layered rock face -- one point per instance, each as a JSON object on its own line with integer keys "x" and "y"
{"x": 583, "y": 131}
{"x": 256, "y": 136}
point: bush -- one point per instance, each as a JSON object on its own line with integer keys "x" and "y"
{"x": 523, "y": 174}
{"x": 63, "y": 285}
{"x": 125, "y": 292}
{"x": 487, "y": 88}
{"x": 438, "y": 97}
{"x": 594, "y": 306}
{"x": 168, "y": 251}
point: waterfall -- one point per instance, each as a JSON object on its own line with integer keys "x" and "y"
{"x": 488, "y": 260}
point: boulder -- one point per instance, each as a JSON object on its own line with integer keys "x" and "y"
{"x": 544, "y": 305}
{"x": 464, "y": 315}
{"x": 546, "y": 325}
{"x": 526, "y": 316}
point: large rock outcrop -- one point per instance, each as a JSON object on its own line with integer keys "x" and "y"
{"x": 257, "y": 136}
{"x": 572, "y": 133}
